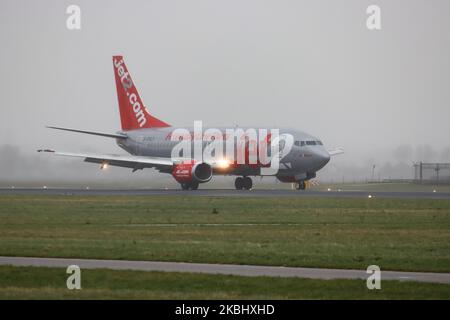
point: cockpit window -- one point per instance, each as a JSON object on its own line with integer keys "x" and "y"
{"x": 299, "y": 143}
{"x": 311, "y": 143}
{"x": 319, "y": 143}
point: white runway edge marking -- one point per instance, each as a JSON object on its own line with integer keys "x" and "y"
{"x": 225, "y": 269}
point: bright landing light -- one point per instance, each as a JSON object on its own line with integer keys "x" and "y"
{"x": 104, "y": 166}
{"x": 223, "y": 164}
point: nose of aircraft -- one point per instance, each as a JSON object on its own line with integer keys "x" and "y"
{"x": 322, "y": 157}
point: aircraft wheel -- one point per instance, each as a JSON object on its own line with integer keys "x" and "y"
{"x": 301, "y": 185}
{"x": 189, "y": 186}
{"x": 184, "y": 186}
{"x": 248, "y": 183}
{"x": 239, "y": 183}
{"x": 193, "y": 186}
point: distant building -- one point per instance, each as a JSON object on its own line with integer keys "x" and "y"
{"x": 432, "y": 172}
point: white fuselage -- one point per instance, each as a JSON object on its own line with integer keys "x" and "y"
{"x": 304, "y": 159}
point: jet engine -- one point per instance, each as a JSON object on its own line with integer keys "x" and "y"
{"x": 191, "y": 172}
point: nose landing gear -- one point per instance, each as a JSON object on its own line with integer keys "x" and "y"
{"x": 243, "y": 183}
{"x": 300, "y": 185}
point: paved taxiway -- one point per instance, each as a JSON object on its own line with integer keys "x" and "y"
{"x": 226, "y": 269}
{"x": 225, "y": 193}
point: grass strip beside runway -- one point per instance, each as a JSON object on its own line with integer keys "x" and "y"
{"x": 50, "y": 283}
{"x": 396, "y": 234}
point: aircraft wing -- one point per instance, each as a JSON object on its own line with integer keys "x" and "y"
{"x": 127, "y": 161}
{"x": 335, "y": 152}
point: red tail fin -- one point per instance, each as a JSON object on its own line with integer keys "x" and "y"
{"x": 133, "y": 113}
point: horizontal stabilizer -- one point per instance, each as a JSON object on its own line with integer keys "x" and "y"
{"x": 108, "y": 135}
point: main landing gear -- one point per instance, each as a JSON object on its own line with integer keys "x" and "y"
{"x": 189, "y": 186}
{"x": 243, "y": 183}
{"x": 300, "y": 185}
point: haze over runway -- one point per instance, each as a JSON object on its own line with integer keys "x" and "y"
{"x": 381, "y": 95}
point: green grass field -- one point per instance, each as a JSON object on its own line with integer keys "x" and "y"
{"x": 50, "y": 283}
{"x": 411, "y": 235}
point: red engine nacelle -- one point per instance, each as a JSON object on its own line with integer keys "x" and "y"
{"x": 187, "y": 172}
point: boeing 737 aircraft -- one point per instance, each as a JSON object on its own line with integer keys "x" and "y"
{"x": 151, "y": 142}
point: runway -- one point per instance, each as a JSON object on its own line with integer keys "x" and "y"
{"x": 224, "y": 193}
{"x": 225, "y": 269}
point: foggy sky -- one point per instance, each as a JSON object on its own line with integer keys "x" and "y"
{"x": 381, "y": 95}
